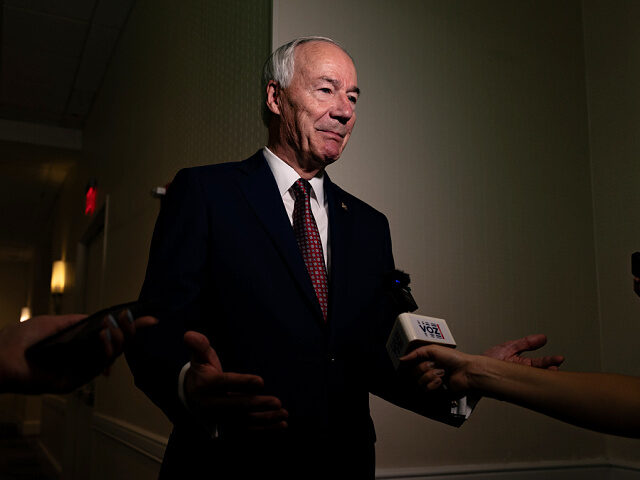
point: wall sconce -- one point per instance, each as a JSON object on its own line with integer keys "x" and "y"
{"x": 25, "y": 314}
{"x": 58, "y": 278}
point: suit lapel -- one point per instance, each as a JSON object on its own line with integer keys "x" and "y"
{"x": 340, "y": 232}
{"x": 261, "y": 191}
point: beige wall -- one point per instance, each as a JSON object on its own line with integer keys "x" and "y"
{"x": 472, "y": 137}
{"x": 612, "y": 41}
{"x": 182, "y": 89}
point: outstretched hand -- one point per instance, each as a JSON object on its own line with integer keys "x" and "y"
{"x": 433, "y": 366}
{"x": 225, "y": 399}
{"x": 510, "y": 351}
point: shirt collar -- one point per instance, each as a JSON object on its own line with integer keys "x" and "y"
{"x": 286, "y": 176}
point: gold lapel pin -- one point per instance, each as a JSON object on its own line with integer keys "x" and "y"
{"x": 344, "y": 207}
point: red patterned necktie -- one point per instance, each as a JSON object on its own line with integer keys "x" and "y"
{"x": 308, "y": 237}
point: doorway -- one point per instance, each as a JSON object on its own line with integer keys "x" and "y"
{"x": 91, "y": 257}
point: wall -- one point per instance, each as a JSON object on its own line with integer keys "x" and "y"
{"x": 182, "y": 89}
{"x": 472, "y": 138}
{"x": 612, "y": 42}
{"x": 14, "y": 284}
{"x": 16, "y": 280}
{"x": 13, "y": 296}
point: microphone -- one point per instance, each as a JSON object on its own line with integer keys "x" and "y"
{"x": 411, "y": 331}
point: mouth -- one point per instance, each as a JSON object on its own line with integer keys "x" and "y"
{"x": 332, "y": 134}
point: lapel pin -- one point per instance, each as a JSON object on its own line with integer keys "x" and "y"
{"x": 344, "y": 207}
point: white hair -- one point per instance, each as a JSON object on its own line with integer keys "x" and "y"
{"x": 280, "y": 65}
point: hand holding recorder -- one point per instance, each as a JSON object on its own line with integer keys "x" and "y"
{"x": 56, "y": 354}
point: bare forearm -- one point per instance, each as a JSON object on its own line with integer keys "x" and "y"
{"x": 599, "y": 401}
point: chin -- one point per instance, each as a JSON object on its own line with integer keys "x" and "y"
{"x": 329, "y": 159}
{"x": 331, "y": 156}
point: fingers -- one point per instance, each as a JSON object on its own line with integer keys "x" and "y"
{"x": 228, "y": 398}
{"x": 510, "y": 348}
{"x": 205, "y": 379}
{"x": 251, "y": 412}
{"x": 420, "y": 353}
{"x": 237, "y": 403}
{"x": 201, "y": 350}
{"x": 551, "y": 362}
{"x": 530, "y": 342}
{"x": 425, "y": 373}
{"x": 146, "y": 321}
{"x": 432, "y": 379}
{"x": 128, "y": 325}
{"x": 207, "y": 373}
{"x": 106, "y": 338}
{"x": 271, "y": 420}
{"x": 428, "y": 366}
{"x": 116, "y": 334}
{"x": 119, "y": 329}
{"x": 202, "y": 382}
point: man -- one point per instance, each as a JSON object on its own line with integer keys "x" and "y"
{"x": 283, "y": 274}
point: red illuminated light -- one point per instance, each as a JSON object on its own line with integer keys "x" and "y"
{"x": 90, "y": 201}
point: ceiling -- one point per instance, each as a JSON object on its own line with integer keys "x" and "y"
{"x": 53, "y": 58}
{"x": 30, "y": 179}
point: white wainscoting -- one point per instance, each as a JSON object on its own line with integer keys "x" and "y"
{"x": 584, "y": 470}
{"x": 124, "y": 451}
{"x": 52, "y": 429}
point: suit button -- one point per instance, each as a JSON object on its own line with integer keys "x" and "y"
{"x": 331, "y": 357}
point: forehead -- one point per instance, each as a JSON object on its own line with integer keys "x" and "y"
{"x": 317, "y": 59}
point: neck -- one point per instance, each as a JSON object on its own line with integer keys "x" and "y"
{"x": 290, "y": 158}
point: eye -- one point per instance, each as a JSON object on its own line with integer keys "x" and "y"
{"x": 325, "y": 90}
{"x": 353, "y": 99}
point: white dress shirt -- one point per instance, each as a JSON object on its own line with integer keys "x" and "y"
{"x": 285, "y": 177}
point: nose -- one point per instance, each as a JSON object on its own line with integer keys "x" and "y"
{"x": 342, "y": 109}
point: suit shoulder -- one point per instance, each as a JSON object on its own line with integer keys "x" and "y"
{"x": 220, "y": 171}
{"x": 352, "y": 202}
{"x": 208, "y": 171}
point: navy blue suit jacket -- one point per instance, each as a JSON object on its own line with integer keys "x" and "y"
{"x": 224, "y": 261}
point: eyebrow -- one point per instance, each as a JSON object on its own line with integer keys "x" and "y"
{"x": 336, "y": 84}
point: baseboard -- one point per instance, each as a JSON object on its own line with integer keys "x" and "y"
{"x": 153, "y": 446}
{"x": 594, "y": 469}
{"x": 50, "y": 458}
{"x": 30, "y": 428}
{"x": 142, "y": 441}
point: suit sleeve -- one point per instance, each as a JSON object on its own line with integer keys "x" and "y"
{"x": 174, "y": 284}
{"x": 392, "y": 385}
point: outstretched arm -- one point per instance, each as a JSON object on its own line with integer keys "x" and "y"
{"x": 20, "y": 374}
{"x": 604, "y": 402}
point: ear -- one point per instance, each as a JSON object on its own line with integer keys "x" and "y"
{"x": 273, "y": 97}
